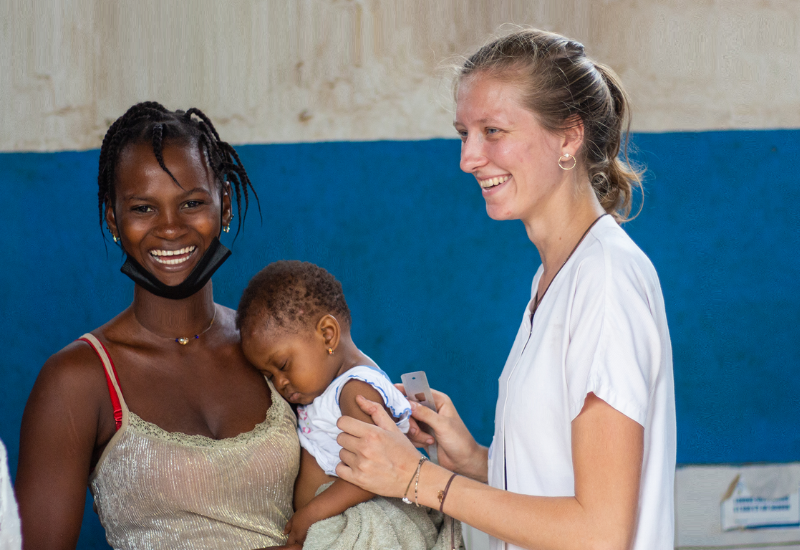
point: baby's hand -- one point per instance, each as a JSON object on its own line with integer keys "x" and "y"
{"x": 297, "y": 527}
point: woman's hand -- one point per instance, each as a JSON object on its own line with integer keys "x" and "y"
{"x": 458, "y": 450}
{"x": 377, "y": 458}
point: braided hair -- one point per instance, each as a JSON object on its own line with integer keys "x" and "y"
{"x": 152, "y": 122}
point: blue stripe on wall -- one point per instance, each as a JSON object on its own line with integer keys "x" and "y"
{"x": 435, "y": 285}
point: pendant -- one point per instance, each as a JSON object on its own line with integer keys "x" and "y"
{"x": 182, "y": 341}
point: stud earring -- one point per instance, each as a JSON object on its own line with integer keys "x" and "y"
{"x": 330, "y": 351}
{"x": 565, "y": 158}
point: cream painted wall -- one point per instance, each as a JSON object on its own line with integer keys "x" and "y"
{"x": 320, "y": 70}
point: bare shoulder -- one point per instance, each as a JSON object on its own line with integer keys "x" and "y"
{"x": 347, "y": 399}
{"x": 225, "y": 315}
{"x": 70, "y": 389}
{"x": 73, "y": 381}
{"x": 74, "y": 371}
{"x": 61, "y": 429}
{"x": 226, "y": 320}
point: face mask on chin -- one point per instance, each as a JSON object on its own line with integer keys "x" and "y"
{"x": 214, "y": 257}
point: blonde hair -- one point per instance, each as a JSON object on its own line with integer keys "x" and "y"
{"x": 560, "y": 85}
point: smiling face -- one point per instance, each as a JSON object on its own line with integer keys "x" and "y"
{"x": 165, "y": 227}
{"x": 514, "y": 159}
{"x": 298, "y": 364}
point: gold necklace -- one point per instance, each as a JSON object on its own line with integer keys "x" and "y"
{"x": 184, "y": 339}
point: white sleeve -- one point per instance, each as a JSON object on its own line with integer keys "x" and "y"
{"x": 614, "y": 347}
{"x": 10, "y": 532}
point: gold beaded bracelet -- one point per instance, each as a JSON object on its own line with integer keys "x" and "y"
{"x": 422, "y": 459}
{"x": 416, "y": 483}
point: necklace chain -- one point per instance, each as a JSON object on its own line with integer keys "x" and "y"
{"x": 183, "y": 340}
{"x": 538, "y": 298}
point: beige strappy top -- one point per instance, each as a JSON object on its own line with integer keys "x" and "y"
{"x": 156, "y": 489}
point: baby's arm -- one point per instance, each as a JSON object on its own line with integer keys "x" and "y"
{"x": 341, "y": 495}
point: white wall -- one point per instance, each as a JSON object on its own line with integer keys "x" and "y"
{"x": 318, "y": 70}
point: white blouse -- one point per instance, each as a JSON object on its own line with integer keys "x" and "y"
{"x": 10, "y": 536}
{"x": 602, "y": 328}
{"x": 316, "y": 422}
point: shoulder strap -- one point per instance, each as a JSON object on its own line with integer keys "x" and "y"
{"x": 111, "y": 376}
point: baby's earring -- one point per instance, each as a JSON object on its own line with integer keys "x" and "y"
{"x": 330, "y": 351}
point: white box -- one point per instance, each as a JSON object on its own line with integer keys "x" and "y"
{"x": 741, "y": 509}
{"x": 699, "y": 491}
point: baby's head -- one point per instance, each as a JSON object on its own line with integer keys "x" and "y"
{"x": 292, "y": 317}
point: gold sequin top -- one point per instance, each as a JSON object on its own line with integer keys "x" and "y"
{"x": 156, "y": 489}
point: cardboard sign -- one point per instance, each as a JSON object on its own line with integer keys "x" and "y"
{"x": 740, "y": 509}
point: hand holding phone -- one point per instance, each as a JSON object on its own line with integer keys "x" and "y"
{"x": 418, "y": 390}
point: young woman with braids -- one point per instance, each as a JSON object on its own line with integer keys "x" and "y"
{"x": 181, "y": 441}
{"x": 583, "y": 454}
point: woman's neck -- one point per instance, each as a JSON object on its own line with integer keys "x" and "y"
{"x": 559, "y": 225}
{"x": 174, "y": 318}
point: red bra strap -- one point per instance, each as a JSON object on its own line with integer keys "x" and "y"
{"x": 111, "y": 390}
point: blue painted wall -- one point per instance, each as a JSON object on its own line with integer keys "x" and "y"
{"x": 435, "y": 285}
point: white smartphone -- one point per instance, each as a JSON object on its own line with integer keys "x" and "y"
{"x": 417, "y": 389}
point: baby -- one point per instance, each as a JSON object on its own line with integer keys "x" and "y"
{"x": 295, "y": 327}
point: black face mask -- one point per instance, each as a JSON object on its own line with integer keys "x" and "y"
{"x": 197, "y": 279}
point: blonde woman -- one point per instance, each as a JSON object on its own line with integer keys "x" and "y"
{"x": 583, "y": 454}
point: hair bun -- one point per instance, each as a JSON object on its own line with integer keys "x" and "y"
{"x": 577, "y": 47}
